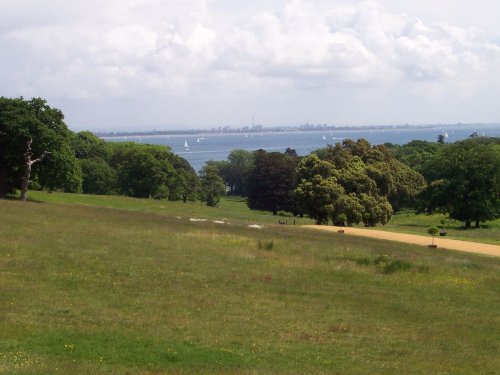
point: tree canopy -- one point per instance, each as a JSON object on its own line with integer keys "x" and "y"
{"x": 354, "y": 180}
{"x": 271, "y": 182}
{"x": 465, "y": 181}
{"x": 32, "y": 126}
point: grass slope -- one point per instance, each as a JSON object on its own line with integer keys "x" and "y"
{"x": 235, "y": 209}
{"x": 96, "y": 290}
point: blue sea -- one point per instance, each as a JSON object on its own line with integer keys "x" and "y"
{"x": 204, "y": 147}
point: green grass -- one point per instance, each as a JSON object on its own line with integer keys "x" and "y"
{"x": 234, "y": 209}
{"x": 408, "y": 222}
{"x": 88, "y": 289}
{"x": 230, "y": 208}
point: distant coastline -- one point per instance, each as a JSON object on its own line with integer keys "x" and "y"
{"x": 279, "y": 129}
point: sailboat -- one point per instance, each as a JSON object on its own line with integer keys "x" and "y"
{"x": 446, "y": 134}
{"x": 324, "y": 137}
{"x": 186, "y": 146}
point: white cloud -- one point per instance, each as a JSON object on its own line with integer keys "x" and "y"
{"x": 129, "y": 47}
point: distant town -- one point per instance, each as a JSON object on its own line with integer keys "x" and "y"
{"x": 274, "y": 129}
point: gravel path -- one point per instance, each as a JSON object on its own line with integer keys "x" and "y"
{"x": 471, "y": 247}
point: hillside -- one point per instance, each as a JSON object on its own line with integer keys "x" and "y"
{"x": 89, "y": 289}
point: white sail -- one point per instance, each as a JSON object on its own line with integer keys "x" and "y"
{"x": 186, "y": 145}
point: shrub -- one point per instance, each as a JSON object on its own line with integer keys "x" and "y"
{"x": 265, "y": 245}
{"x": 389, "y": 265}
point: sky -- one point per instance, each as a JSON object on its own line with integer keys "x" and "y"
{"x": 175, "y": 64}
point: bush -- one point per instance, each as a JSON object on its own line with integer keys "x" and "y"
{"x": 266, "y": 245}
{"x": 389, "y": 265}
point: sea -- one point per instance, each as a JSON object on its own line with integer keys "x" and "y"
{"x": 217, "y": 146}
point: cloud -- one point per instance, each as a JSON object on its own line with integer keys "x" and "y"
{"x": 95, "y": 48}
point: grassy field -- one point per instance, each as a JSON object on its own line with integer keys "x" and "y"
{"x": 230, "y": 208}
{"x": 236, "y": 210}
{"x": 89, "y": 289}
{"x": 408, "y": 222}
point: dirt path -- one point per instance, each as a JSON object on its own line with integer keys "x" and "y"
{"x": 471, "y": 247}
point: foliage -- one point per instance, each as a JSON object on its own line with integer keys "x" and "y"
{"x": 184, "y": 184}
{"x": 388, "y": 264}
{"x": 271, "y": 182}
{"x": 265, "y": 244}
{"x": 416, "y": 154}
{"x": 22, "y": 120}
{"x": 236, "y": 170}
{"x": 212, "y": 186}
{"x": 355, "y": 179}
{"x": 465, "y": 181}
{"x": 433, "y": 230}
{"x": 98, "y": 176}
{"x": 142, "y": 170}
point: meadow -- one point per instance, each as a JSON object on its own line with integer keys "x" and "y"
{"x": 115, "y": 285}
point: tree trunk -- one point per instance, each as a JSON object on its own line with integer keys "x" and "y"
{"x": 26, "y": 180}
{"x": 477, "y": 223}
{"x": 3, "y": 181}
{"x": 467, "y": 224}
{"x": 28, "y": 163}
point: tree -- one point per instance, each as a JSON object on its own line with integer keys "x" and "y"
{"x": 143, "y": 171}
{"x": 271, "y": 182}
{"x": 355, "y": 179}
{"x": 212, "y": 186}
{"x": 316, "y": 197}
{"x": 416, "y": 154}
{"x": 184, "y": 183}
{"x": 466, "y": 181}
{"x": 433, "y": 231}
{"x": 87, "y": 145}
{"x": 98, "y": 176}
{"x": 33, "y": 133}
{"x": 236, "y": 170}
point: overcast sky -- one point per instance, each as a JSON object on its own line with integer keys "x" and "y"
{"x": 145, "y": 64}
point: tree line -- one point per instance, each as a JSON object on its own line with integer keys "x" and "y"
{"x": 354, "y": 182}
{"x": 347, "y": 183}
{"x": 32, "y": 132}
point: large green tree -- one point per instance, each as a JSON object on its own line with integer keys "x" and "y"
{"x": 370, "y": 179}
{"x": 143, "y": 170}
{"x": 212, "y": 186}
{"x": 35, "y": 147}
{"x": 465, "y": 181}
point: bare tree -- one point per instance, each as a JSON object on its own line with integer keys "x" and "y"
{"x": 28, "y": 163}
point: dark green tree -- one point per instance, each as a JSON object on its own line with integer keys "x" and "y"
{"x": 33, "y": 134}
{"x": 271, "y": 182}
{"x": 466, "y": 181}
{"x": 98, "y": 176}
